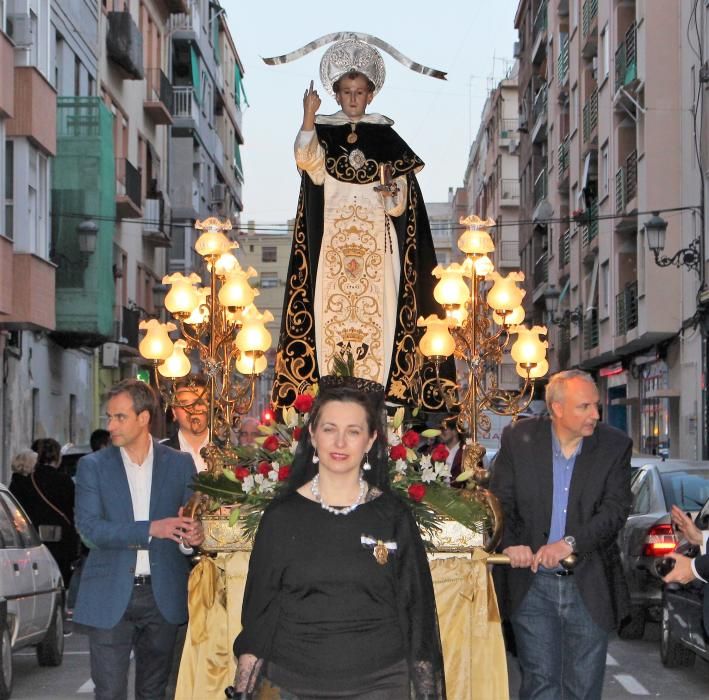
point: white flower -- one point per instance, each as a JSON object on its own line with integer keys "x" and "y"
{"x": 268, "y": 485}
{"x": 425, "y": 461}
{"x": 273, "y": 475}
{"x": 401, "y": 466}
{"x": 258, "y": 478}
{"x": 393, "y": 438}
{"x": 428, "y": 474}
{"x": 248, "y": 484}
{"x": 442, "y": 470}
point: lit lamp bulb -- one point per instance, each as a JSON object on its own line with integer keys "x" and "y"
{"x": 457, "y": 316}
{"x": 505, "y": 295}
{"x": 177, "y": 365}
{"x": 483, "y": 266}
{"x": 513, "y": 318}
{"x": 248, "y": 364}
{"x": 225, "y": 265}
{"x": 475, "y": 240}
{"x": 156, "y": 345}
{"x": 535, "y": 372}
{"x": 200, "y": 313}
{"x": 182, "y": 297}
{"x": 213, "y": 243}
{"x": 253, "y": 336}
{"x": 451, "y": 291}
{"x": 437, "y": 342}
{"x": 528, "y": 350}
{"x": 236, "y": 292}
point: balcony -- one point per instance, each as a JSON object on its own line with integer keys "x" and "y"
{"x": 185, "y": 110}
{"x": 562, "y": 65}
{"x": 539, "y": 112}
{"x": 589, "y": 230}
{"x": 562, "y": 161}
{"x": 540, "y": 187}
{"x": 509, "y": 192}
{"x": 626, "y": 309}
{"x": 128, "y": 190}
{"x": 626, "y": 183}
{"x": 508, "y": 129}
{"x": 626, "y": 66}
{"x": 177, "y": 6}
{"x": 589, "y": 28}
{"x": 590, "y": 330}
{"x": 7, "y": 76}
{"x": 564, "y": 249}
{"x": 124, "y": 45}
{"x": 590, "y": 118}
{"x": 186, "y": 25}
{"x": 158, "y": 104}
{"x": 35, "y": 110}
{"x": 155, "y": 230}
{"x": 539, "y": 33}
{"x": 33, "y": 294}
{"x": 541, "y": 270}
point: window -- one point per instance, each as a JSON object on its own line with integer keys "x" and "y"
{"x": 269, "y": 253}
{"x": 269, "y": 280}
{"x": 574, "y": 109}
{"x": 605, "y": 174}
{"x": 8, "y": 535}
{"x": 604, "y": 289}
{"x": 573, "y": 13}
{"x": 604, "y": 55}
{"x": 640, "y": 490}
{"x": 27, "y": 535}
{"x": 9, "y": 189}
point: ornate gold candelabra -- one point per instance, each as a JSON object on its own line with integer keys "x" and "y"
{"x": 220, "y": 324}
{"x": 481, "y": 316}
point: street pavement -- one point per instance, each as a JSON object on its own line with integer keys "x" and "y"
{"x": 632, "y": 669}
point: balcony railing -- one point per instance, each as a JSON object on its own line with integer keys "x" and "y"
{"x": 590, "y": 12}
{"x": 540, "y": 20}
{"x": 509, "y": 189}
{"x": 128, "y": 187}
{"x": 540, "y": 187}
{"x": 186, "y": 21}
{"x": 541, "y": 270}
{"x": 565, "y": 248}
{"x": 563, "y": 158}
{"x": 158, "y": 96}
{"x": 562, "y": 63}
{"x": 620, "y": 190}
{"x": 508, "y": 128}
{"x": 540, "y": 104}
{"x": 626, "y": 66}
{"x": 184, "y": 103}
{"x": 626, "y": 182}
{"x": 590, "y": 330}
{"x": 590, "y": 116}
{"x": 124, "y": 44}
{"x": 626, "y": 309}
{"x": 590, "y": 226}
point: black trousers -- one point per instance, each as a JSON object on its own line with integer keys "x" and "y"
{"x": 145, "y": 631}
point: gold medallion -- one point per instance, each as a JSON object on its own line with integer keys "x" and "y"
{"x": 352, "y": 137}
{"x": 381, "y": 554}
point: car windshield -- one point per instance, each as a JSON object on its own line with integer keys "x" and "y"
{"x": 688, "y": 489}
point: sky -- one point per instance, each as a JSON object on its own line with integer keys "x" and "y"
{"x": 471, "y": 40}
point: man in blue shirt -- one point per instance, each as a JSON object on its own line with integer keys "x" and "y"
{"x": 564, "y": 485}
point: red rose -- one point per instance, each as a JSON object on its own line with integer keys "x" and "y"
{"x": 264, "y": 468}
{"x": 439, "y": 453}
{"x": 411, "y": 439}
{"x": 271, "y": 443}
{"x": 417, "y": 492}
{"x": 283, "y": 472}
{"x": 297, "y": 431}
{"x": 303, "y": 403}
{"x": 241, "y": 473}
{"x": 397, "y": 452}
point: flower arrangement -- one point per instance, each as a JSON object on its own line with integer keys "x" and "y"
{"x": 253, "y": 475}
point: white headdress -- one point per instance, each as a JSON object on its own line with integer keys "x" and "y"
{"x": 353, "y": 51}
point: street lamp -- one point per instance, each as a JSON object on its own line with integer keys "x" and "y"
{"x": 87, "y": 233}
{"x": 569, "y": 316}
{"x": 655, "y": 232}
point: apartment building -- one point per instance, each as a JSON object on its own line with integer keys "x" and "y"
{"x": 603, "y": 90}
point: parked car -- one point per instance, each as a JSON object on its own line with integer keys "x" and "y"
{"x": 682, "y": 633}
{"x": 648, "y": 534}
{"x": 31, "y": 593}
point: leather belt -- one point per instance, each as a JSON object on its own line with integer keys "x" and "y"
{"x": 141, "y": 581}
{"x": 559, "y": 572}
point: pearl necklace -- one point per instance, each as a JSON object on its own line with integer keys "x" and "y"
{"x": 315, "y": 490}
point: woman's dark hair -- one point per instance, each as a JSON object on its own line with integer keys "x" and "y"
{"x": 303, "y": 469}
{"x": 48, "y": 450}
{"x": 351, "y": 76}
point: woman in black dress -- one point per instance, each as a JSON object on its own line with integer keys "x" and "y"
{"x": 339, "y": 601}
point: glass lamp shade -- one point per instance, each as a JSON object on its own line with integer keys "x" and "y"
{"x": 528, "y": 349}
{"x": 536, "y": 372}
{"x": 437, "y": 340}
{"x": 236, "y": 292}
{"x": 226, "y": 264}
{"x": 505, "y": 295}
{"x": 177, "y": 365}
{"x": 213, "y": 244}
{"x": 156, "y": 345}
{"x": 457, "y": 316}
{"x": 655, "y": 232}
{"x": 200, "y": 313}
{"x": 452, "y": 289}
{"x": 476, "y": 242}
{"x": 513, "y": 318}
{"x": 248, "y": 364}
{"x": 253, "y": 336}
{"x": 483, "y": 266}
{"x": 182, "y": 297}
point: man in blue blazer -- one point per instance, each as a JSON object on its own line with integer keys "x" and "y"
{"x": 133, "y": 593}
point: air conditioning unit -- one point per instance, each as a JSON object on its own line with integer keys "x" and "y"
{"x": 218, "y": 192}
{"x": 19, "y": 29}
{"x": 109, "y": 355}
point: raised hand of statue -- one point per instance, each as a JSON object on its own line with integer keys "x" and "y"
{"x": 311, "y": 104}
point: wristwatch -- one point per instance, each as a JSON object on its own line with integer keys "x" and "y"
{"x": 571, "y": 541}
